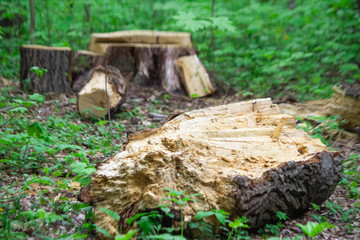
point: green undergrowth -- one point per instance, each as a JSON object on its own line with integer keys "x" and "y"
{"x": 272, "y": 48}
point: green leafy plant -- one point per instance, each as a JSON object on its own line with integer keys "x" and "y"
{"x": 236, "y": 227}
{"x": 177, "y": 198}
{"x": 312, "y": 229}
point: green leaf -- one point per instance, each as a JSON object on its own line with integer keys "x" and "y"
{"x": 313, "y": 229}
{"x": 36, "y": 129}
{"x": 103, "y": 231}
{"x": 349, "y": 67}
{"x": 189, "y": 22}
{"x": 223, "y": 24}
{"x": 145, "y": 224}
{"x": 166, "y": 236}
{"x": 18, "y": 109}
{"x": 174, "y": 193}
{"x": 37, "y": 98}
{"x": 201, "y": 214}
{"x": 82, "y": 168}
{"x": 281, "y": 215}
{"x": 220, "y": 217}
{"x": 127, "y": 236}
{"x": 112, "y": 214}
{"x": 63, "y": 146}
{"x": 239, "y": 223}
{"x": 137, "y": 216}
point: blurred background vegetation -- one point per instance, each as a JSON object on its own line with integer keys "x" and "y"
{"x": 297, "y": 48}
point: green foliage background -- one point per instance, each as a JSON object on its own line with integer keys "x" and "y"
{"x": 276, "y": 48}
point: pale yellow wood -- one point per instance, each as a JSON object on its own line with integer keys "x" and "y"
{"x": 4, "y": 82}
{"x": 47, "y": 48}
{"x": 98, "y": 41}
{"x": 194, "y": 76}
{"x": 346, "y": 106}
{"x": 93, "y": 96}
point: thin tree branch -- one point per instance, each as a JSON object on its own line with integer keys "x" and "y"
{"x": 108, "y": 108}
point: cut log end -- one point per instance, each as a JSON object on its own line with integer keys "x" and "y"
{"x": 346, "y": 106}
{"x": 194, "y": 77}
{"x": 98, "y": 94}
{"x": 228, "y": 155}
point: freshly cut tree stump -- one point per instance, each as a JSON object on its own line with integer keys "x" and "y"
{"x": 149, "y": 64}
{"x": 93, "y": 100}
{"x": 194, "y": 76}
{"x": 346, "y": 103}
{"x": 98, "y": 41}
{"x": 245, "y": 158}
{"x": 57, "y": 62}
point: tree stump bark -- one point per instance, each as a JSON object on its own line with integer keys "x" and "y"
{"x": 57, "y": 62}
{"x": 245, "y": 158}
{"x": 93, "y": 97}
{"x": 149, "y": 64}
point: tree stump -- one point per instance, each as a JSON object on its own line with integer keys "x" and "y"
{"x": 93, "y": 97}
{"x": 57, "y": 62}
{"x": 346, "y": 103}
{"x": 245, "y": 158}
{"x": 149, "y": 64}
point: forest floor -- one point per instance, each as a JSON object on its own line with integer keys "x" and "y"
{"x": 340, "y": 210}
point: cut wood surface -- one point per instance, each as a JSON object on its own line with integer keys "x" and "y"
{"x": 230, "y": 156}
{"x": 93, "y": 100}
{"x": 4, "y": 82}
{"x": 194, "y": 76}
{"x": 346, "y": 106}
{"x": 138, "y": 36}
{"x": 56, "y": 60}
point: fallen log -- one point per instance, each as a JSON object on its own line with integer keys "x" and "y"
{"x": 99, "y": 93}
{"x": 194, "y": 76}
{"x": 57, "y": 62}
{"x": 245, "y": 158}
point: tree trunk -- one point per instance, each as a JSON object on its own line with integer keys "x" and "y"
{"x": 93, "y": 98}
{"x": 88, "y": 15}
{"x": 149, "y": 64}
{"x": 32, "y": 21}
{"x": 56, "y": 60}
{"x": 48, "y": 23}
{"x": 245, "y": 158}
